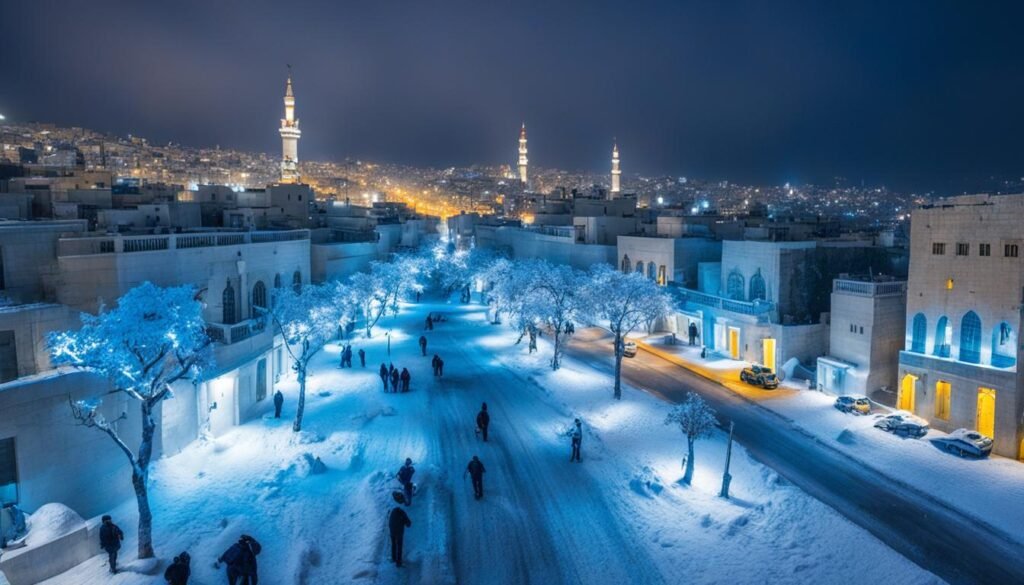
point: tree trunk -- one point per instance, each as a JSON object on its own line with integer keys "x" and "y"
{"x": 555, "y": 361}
{"x": 688, "y": 476}
{"x": 140, "y": 473}
{"x": 301, "y": 407}
{"x": 618, "y": 366}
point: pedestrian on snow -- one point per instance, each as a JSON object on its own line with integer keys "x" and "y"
{"x": 405, "y": 478}
{"x": 570, "y": 328}
{"x": 384, "y": 376}
{"x": 240, "y": 560}
{"x": 362, "y": 358}
{"x": 179, "y": 571}
{"x": 440, "y": 367}
{"x": 692, "y": 333}
{"x": 423, "y": 344}
{"x": 577, "y": 437}
{"x": 278, "y": 403}
{"x": 433, "y": 364}
{"x": 398, "y": 521}
{"x": 430, "y": 323}
{"x": 483, "y": 420}
{"x": 348, "y": 356}
{"x": 476, "y": 471}
{"x": 417, "y": 296}
{"x": 110, "y": 541}
{"x": 394, "y": 380}
{"x": 406, "y": 378}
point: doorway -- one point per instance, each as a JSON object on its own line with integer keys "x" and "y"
{"x": 734, "y": 343}
{"x": 986, "y": 422}
{"x": 905, "y": 401}
{"x": 222, "y": 405}
{"x": 769, "y": 353}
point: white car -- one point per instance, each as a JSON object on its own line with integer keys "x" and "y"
{"x": 967, "y": 442}
{"x": 904, "y": 424}
{"x": 629, "y": 349}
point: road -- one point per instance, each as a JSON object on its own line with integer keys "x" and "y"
{"x": 937, "y": 538}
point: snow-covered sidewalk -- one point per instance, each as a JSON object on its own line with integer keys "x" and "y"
{"x": 980, "y": 488}
{"x": 618, "y": 517}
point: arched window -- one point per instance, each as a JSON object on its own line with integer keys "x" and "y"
{"x": 297, "y": 281}
{"x": 1004, "y": 346}
{"x": 640, "y": 267}
{"x": 918, "y": 333}
{"x": 757, "y": 287}
{"x": 277, "y": 281}
{"x": 662, "y": 275}
{"x": 259, "y": 298}
{"x": 651, "y": 271}
{"x": 970, "y": 338}
{"x": 228, "y": 305}
{"x": 943, "y": 337}
{"x": 627, "y": 266}
{"x": 734, "y": 286}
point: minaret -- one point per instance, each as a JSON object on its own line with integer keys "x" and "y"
{"x": 615, "y": 171}
{"x": 289, "y": 136}
{"x": 522, "y": 155}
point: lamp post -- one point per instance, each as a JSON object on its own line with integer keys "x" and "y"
{"x": 388, "y": 335}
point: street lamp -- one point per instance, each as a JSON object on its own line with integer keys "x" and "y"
{"x": 388, "y": 335}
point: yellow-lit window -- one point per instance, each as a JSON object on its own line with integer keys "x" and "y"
{"x": 942, "y": 394}
{"x": 949, "y": 284}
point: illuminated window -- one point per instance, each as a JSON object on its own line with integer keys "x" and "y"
{"x": 942, "y": 394}
{"x": 938, "y": 249}
{"x": 949, "y": 284}
{"x": 963, "y": 249}
{"x": 970, "y": 338}
{"x": 662, "y": 275}
{"x": 1010, "y": 250}
{"x": 984, "y": 249}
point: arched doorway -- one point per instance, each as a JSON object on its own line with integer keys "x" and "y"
{"x": 986, "y": 419}
{"x": 905, "y": 400}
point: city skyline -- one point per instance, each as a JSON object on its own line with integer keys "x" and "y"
{"x": 740, "y": 94}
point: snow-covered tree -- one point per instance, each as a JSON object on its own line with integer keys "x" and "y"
{"x": 386, "y": 283}
{"x": 555, "y": 294}
{"x": 696, "y": 419}
{"x": 307, "y": 319}
{"x": 457, "y": 269}
{"x": 623, "y": 302}
{"x": 155, "y": 337}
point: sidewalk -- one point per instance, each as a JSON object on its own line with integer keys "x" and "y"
{"x": 990, "y": 490}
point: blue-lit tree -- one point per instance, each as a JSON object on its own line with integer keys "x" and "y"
{"x": 155, "y": 337}
{"x": 696, "y": 420}
{"x": 554, "y": 291}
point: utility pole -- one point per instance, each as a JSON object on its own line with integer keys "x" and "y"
{"x": 726, "y": 478}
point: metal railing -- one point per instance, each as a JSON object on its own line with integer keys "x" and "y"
{"x": 869, "y": 289}
{"x": 716, "y": 302}
{"x": 118, "y": 244}
{"x": 227, "y": 334}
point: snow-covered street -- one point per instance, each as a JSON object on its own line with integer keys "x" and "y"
{"x": 619, "y": 516}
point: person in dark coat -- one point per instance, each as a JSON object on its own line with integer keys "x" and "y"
{"x": 577, "y": 439}
{"x": 179, "y": 571}
{"x": 483, "y": 420}
{"x": 384, "y": 376}
{"x": 405, "y": 478}
{"x": 240, "y": 560}
{"x": 110, "y": 541}
{"x": 423, "y": 344}
{"x": 692, "y": 332}
{"x": 406, "y": 378}
{"x": 440, "y": 367}
{"x": 476, "y": 471}
{"x": 278, "y": 403}
{"x": 348, "y": 356}
{"x": 433, "y": 364}
{"x": 398, "y": 521}
{"x": 362, "y": 358}
{"x": 430, "y": 323}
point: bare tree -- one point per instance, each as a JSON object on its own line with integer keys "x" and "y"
{"x": 696, "y": 420}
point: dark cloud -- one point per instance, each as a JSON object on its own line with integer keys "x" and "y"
{"x": 917, "y": 94}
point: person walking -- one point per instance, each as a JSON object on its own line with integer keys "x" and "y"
{"x": 433, "y": 364}
{"x": 440, "y": 367}
{"x": 110, "y": 541}
{"x": 179, "y": 570}
{"x": 423, "y": 344}
{"x": 483, "y": 420}
{"x": 398, "y": 521}
{"x": 476, "y": 471}
{"x": 384, "y": 376}
{"x": 362, "y": 358}
{"x": 430, "y": 323}
{"x": 240, "y": 560}
{"x": 348, "y": 356}
{"x": 692, "y": 333}
{"x": 577, "y": 440}
{"x": 394, "y": 379}
{"x": 405, "y": 478}
{"x": 406, "y": 378}
{"x": 278, "y": 403}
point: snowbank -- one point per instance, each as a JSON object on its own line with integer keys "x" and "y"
{"x": 50, "y": 522}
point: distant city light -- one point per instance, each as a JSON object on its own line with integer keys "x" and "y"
{"x": 2, "y": 117}
{"x": 661, "y": 200}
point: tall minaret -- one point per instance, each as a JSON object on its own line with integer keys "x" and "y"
{"x": 522, "y": 155}
{"x": 289, "y": 136}
{"x": 615, "y": 171}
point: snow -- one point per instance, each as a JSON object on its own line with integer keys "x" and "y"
{"x": 50, "y": 522}
{"x": 620, "y": 516}
{"x": 979, "y": 487}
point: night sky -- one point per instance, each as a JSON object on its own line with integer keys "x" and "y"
{"x": 910, "y": 94}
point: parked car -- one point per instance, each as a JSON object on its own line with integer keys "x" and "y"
{"x": 854, "y": 404}
{"x": 629, "y": 349}
{"x": 904, "y": 424}
{"x": 758, "y": 375}
{"x": 967, "y": 442}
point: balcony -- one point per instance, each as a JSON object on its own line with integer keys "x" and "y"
{"x": 869, "y": 289}
{"x": 754, "y": 308}
{"x": 117, "y": 244}
{"x": 227, "y": 334}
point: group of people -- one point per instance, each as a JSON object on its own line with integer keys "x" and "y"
{"x": 346, "y": 357}
{"x": 239, "y": 559}
{"x": 399, "y": 380}
{"x": 438, "y": 364}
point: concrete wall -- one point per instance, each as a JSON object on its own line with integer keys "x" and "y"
{"x": 31, "y": 325}
{"x": 333, "y": 261}
{"x": 525, "y": 244}
{"x": 29, "y": 252}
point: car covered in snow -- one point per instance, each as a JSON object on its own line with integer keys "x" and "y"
{"x": 967, "y": 442}
{"x": 904, "y": 424}
{"x": 854, "y": 404}
{"x": 758, "y": 375}
{"x": 629, "y": 349}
